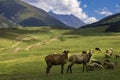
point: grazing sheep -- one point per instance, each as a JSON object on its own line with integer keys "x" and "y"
{"x": 79, "y": 59}
{"x": 109, "y": 53}
{"x": 92, "y": 66}
{"x": 117, "y": 56}
{"x": 109, "y": 65}
{"x": 98, "y": 49}
{"x": 98, "y": 66}
{"x": 56, "y": 59}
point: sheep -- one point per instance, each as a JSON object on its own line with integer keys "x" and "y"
{"x": 109, "y": 53}
{"x": 98, "y": 66}
{"x": 109, "y": 65}
{"x": 79, "y": 59}
{"x": 117, "y": 56}
{"x": 95, "y": 64}
{"x": 98, "y": 49}
{"x": 56, "y": 59}
{"x": 92, "y": 66}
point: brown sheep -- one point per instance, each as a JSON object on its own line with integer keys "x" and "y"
{"x": 108, "y": 65}
{"x": 56, "y": 59}
{"x": 92, "y": 66}
{"x": 83, "y": 58}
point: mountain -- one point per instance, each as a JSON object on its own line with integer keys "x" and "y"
{"x": 70, "y": 20}
{"x": 114, "y": 27}
{"x": 26, "y": 15}
{"x": 112, "y": 22}
{"x": 5, "y": 23}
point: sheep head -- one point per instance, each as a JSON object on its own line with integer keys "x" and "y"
{"x": 91, "y": 52}
{"x": 66, "y": 52}
{"x": 84, "y": 52}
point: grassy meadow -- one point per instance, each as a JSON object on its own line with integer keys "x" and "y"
{"x": 22, "y": 52}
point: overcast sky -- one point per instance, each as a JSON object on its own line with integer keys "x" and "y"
{"x": 88, "y": 11}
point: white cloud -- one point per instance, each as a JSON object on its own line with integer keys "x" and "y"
{"x": 62, "y": 7}
{"x": 91, "y": 20}
{"x": 104, "y": 11}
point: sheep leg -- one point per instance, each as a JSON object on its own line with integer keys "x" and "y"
{"x": 86, "y": 67}
{"x": 62, "y": 68}
{"x": 48, "y": 69}
{"x": 83, "y": 67}
{"x": 70, "y": 68}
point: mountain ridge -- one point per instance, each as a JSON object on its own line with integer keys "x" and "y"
{"x": 70, "y": 20}
{"x": 110, "y": 22}
{"x": 23, "y": 13}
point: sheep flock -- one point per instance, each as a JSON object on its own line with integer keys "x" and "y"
{"x": 85, "y": 58}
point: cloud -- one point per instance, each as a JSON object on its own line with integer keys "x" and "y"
{"x": 63, "y": 7}
{"x": 104, "y": 11}
{"x": 91, "y": 20}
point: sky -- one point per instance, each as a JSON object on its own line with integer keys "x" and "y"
{"x": 88, "y": 11}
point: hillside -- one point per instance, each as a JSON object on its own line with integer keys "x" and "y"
{"x": 22, "y": 53}
{"x": 27, "y": 15}
{"x": 70, "y": 20}
{"x": 110, "y": 22}
{"x": 5, "y": 23}
{"x": 114, "y": 27}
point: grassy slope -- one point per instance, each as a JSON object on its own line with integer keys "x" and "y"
{"x": 22, "y": 52}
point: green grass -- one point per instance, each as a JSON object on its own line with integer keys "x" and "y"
{"x": 19, "y": 63}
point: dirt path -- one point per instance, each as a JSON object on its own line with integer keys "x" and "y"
{"x": 15, "y": 49}
{"x": 14, "y": 45}
{"x": 40, "y": 44}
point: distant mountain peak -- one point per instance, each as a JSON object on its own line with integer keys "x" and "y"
{"x": 68, "y": 19}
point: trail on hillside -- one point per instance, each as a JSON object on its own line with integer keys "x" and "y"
{"x": 40, "y": 44}
{"x": 14, "y": 48}
{"x": 14, "y": 45}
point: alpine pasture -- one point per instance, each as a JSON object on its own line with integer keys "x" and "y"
{"x": 22, "y": 52}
